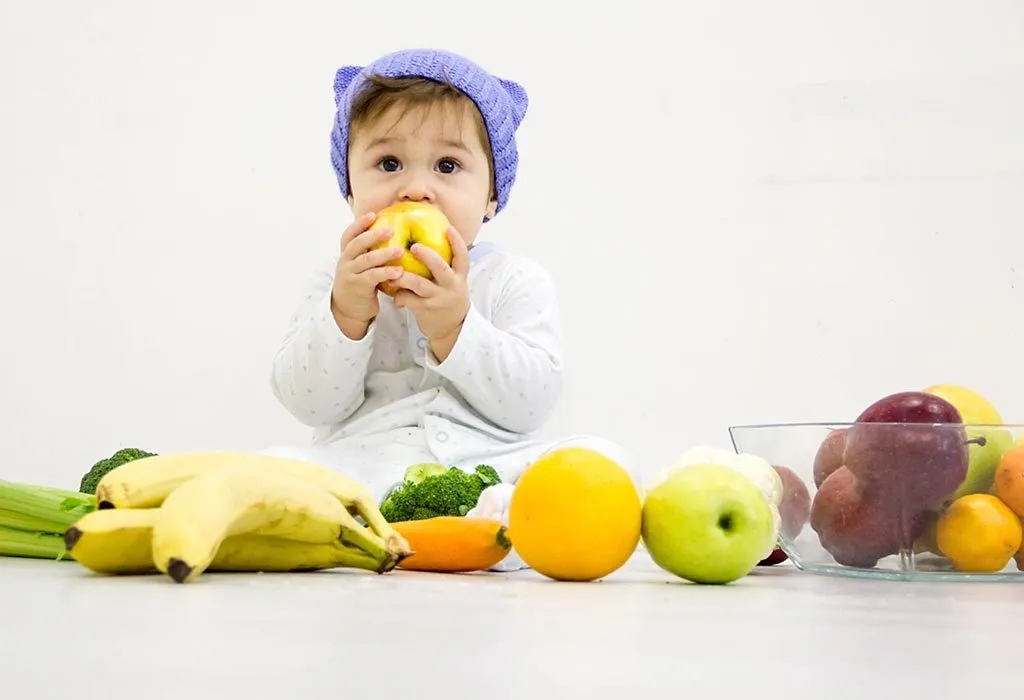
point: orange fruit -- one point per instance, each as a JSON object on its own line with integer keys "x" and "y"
{"x": 1018, "y": 559}
{"x": 1008, "y": 481}
{"x": 575, "y": 515}
{"x": 979, "y": 533}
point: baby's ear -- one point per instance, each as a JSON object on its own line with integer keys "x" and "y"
{"x": 492, "y": 208}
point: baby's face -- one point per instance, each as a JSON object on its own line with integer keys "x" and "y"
{"x": 433, "y": 155}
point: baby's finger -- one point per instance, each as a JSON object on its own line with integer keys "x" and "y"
{"x": 365, "y": 242}
{"x": 420, "y": 286}
{"x": 376, "y": 275}
{"x": 460, "y": 253}
{"x": 355, "y": 228}
{"x": 439, "y": 269}
{"x": 406, "y": 299}
{"x": 375, "y": 258}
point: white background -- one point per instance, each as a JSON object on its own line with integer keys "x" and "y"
{"x": 755, "y": 211}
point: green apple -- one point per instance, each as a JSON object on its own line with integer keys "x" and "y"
{"x": 988, "y": 444}
{"x": 760, "y": 473}
{"x": 707, "y": 523}
{"x": 755, "y": 468}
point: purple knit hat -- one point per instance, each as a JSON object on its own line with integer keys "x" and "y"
{"x": 502, "y": 103}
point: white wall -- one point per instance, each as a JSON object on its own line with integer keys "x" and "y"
{"x": 756, "y": 211}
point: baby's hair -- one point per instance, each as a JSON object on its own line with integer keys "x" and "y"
{"x": 381, "y": 93}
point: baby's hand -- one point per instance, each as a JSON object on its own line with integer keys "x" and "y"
{"x": 493, "y": 503}
{"x": 360, "y": 269}
{"x": 440, "y": 304}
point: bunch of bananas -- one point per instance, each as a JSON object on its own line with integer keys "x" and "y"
{"x": 183, "y": 514}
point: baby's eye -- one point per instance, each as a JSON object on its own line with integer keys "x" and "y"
{"x": 447, "y": 166}
{"x": 389, "y": 164}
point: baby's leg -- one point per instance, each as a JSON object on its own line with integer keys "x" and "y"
{"x": 377, "y": 461}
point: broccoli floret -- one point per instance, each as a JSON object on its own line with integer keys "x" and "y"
{"x": 430, "y": 491}
{"x": 91, "y": 479}
{"x": 418, "y": 472}
{"x": 421, "y": 513}
{"x": 488, "y": 474}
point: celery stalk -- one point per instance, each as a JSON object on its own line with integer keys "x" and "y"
{"x": 33, "y": 545}
{"x": 65, "y": 493}
{"x": 42, "y": 508}
{"x": 20, "y": 521}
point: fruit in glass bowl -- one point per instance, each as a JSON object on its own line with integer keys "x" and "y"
{"x": 879, "y": 486}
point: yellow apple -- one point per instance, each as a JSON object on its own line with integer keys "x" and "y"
{"x": 975, "y": 409}
{"x": 413, "y": 222}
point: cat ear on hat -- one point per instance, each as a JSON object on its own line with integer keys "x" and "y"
{"x": 520, "y": 100}
{"x": 342, "y": 79}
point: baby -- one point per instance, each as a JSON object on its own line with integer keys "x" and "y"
{"x": 461, "y": 369}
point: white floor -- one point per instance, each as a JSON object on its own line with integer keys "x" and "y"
{"x": 776, "y": 634}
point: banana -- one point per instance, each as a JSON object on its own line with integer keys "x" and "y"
{"x": 146, "y": 482}
{"x": 200, "y": 514}
{"x": 113, "y": 541}
{"x": 276, "y": 554}
{"x": 120, "y": 542}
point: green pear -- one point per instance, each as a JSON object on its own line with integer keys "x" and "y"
{"x": 987, "y": 445}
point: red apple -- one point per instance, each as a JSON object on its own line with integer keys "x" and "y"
{"x": 894, "y": 446}
{"x": 910, "y": 407}
{"x": 793, "y": 511}
{"x": 859, "y": 525}
{"x": 796, "y": 502}
{"x": 829, "y": 456}
{"x": 776, "y": 557}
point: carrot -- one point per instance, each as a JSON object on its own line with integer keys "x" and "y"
{"x": 450, "y": 544}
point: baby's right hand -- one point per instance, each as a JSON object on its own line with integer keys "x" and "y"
{"x": 360, "y": 269}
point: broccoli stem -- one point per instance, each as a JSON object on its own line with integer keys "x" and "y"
{"x": 42, "y": 508}
{"x": 32, "y": 545}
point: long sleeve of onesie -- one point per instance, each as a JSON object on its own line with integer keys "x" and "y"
{"x": 509, "y": 367}
{"x": 318, "y": 373}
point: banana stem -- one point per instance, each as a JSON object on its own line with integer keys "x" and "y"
{"x": 393, "y": 541}
{"x": 358, "y": 536}
{"x": 358, "y": 559}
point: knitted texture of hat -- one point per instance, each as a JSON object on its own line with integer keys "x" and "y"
{"x": 502, "y": 103}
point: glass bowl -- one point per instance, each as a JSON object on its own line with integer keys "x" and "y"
{"x": 915, "y": 501}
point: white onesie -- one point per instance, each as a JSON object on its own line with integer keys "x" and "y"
{"x": 382, "y": 403}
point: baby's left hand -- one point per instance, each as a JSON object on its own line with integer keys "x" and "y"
{"x": 440, "y": 304}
